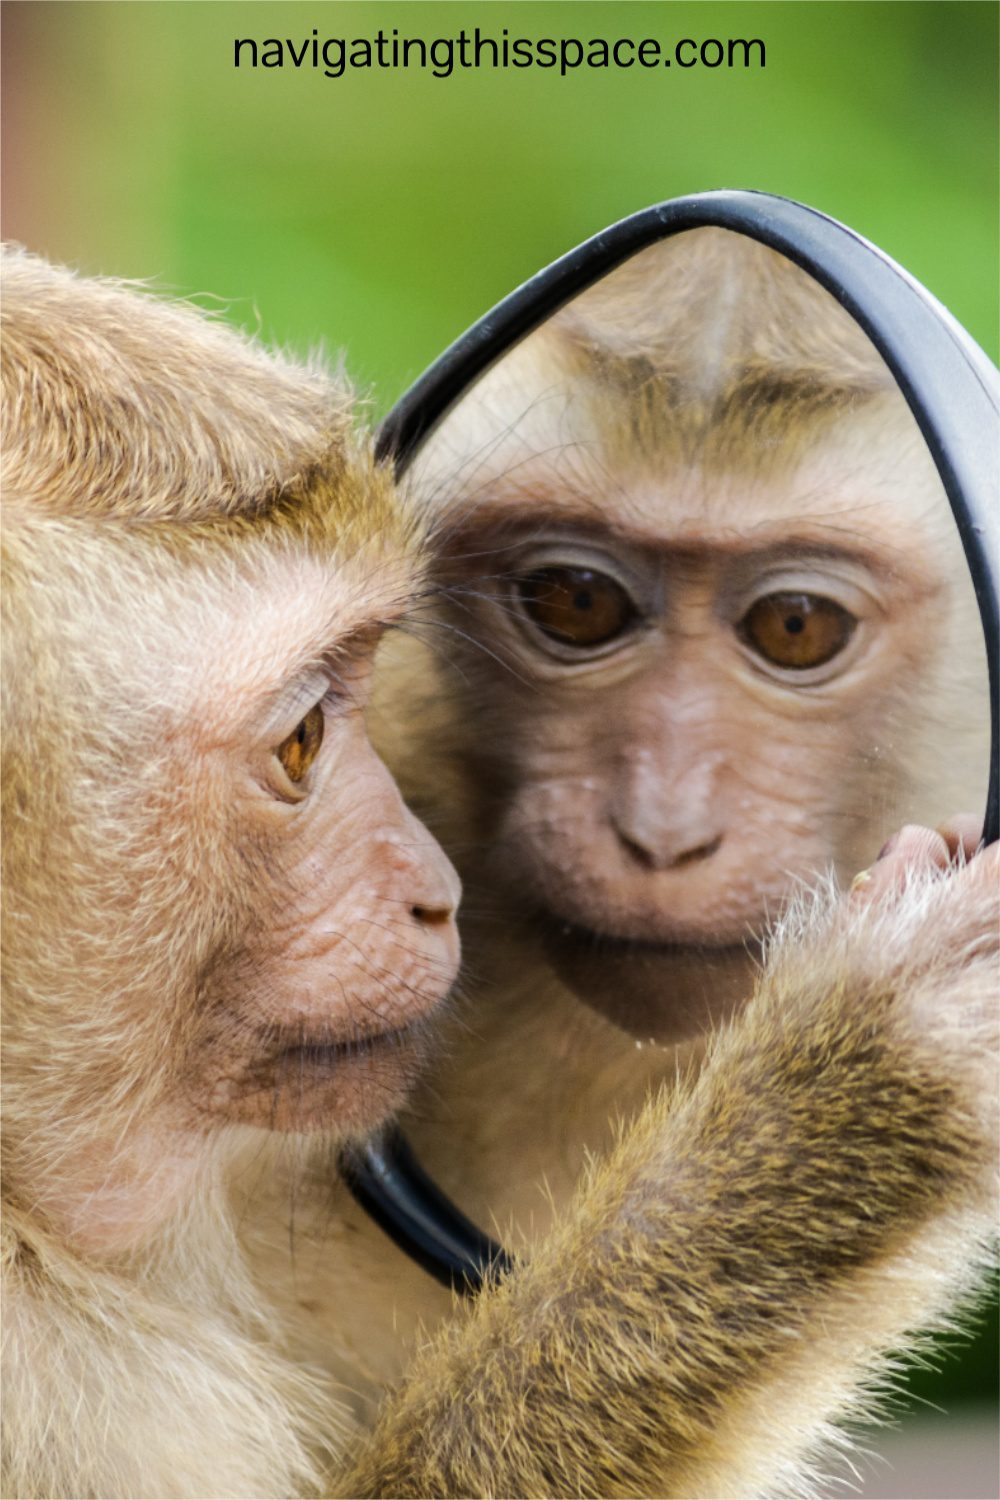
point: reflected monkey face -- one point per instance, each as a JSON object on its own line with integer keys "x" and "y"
{"x": 713, "y": 590}
{"x": 690, "y": 723}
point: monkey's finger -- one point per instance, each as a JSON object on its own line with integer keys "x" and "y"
{"x": 911, "y": 849}
{"x": 963, "y": 834}
{"x": 983, "y": 868}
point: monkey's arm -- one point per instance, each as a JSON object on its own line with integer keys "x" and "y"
{"x": 754, "y": 1248}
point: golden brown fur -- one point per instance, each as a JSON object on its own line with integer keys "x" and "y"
{"x": 188, "y": 522}
{"x": 219, "y": 434}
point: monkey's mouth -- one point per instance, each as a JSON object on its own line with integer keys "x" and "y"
{"x": 320, "y": 1055}
{"x": 595, "y": 944}
{"x": 661, "y": 990}
{"x": 308, "y": 1083}
{"x": 595, "y": 940}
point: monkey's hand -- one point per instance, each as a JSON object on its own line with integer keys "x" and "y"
{"x": 735, "y": 1276}
{"x": 934, "y": 924}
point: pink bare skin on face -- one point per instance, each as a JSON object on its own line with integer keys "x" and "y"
{"x": 320, "y": 1014}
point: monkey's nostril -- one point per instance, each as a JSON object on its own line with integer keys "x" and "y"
{"x": 637, "y": 852}
{"x": 432, "y": 916}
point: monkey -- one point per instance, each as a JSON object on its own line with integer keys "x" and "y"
{"x": 226, "y": 944}
{"x": 709, "y": 444}
{"x": 219, "y": 916}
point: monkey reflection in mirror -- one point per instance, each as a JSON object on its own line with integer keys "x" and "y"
{"x": 227, "y": 947}
{"x": 709, "y": 633}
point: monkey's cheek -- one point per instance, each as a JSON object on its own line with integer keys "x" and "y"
{"x": 329, "y": 1038}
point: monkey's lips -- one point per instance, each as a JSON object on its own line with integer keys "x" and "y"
{"x": 661, "y": 991}
{"x": 307, "y": 1083}
{"x": 321, "y": 1056}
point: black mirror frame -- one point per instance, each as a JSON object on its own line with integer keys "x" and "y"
{"x": 953, "y": 391}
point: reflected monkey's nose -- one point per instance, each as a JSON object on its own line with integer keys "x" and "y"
{"x": 666, "y": 858}
{"x": 667, "y": 817}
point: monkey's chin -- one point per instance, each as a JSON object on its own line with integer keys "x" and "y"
{"x": 664, "y": 992}
{"x": 343, "y": 1088}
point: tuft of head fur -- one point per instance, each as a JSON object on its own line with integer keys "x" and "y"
{"x": 120, "y": 403}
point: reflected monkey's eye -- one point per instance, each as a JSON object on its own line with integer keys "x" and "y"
{"x": 796, "y": 631}
{"x": 576, "y": 606}
{"x": 301, "y": 748}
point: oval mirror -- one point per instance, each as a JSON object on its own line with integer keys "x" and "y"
{"x": 716, "y": 613}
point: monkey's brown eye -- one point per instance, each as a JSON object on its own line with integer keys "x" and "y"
{"x": 576, "y": 606}
{"x": 797, "y": 630}
{"x": 301, "y": 748}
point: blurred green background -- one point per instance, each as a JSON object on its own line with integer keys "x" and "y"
{"x": 382, "y": 212}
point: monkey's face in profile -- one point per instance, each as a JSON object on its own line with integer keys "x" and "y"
{"x": 227, "y": 915}
{"x": 315, "y": 1014}
{"x": 218, "y": 910}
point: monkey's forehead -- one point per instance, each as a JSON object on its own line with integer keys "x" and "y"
{"x": 294, "y": 622}
{"x": 534, "y": 455}
{"x": 199, "y": 619}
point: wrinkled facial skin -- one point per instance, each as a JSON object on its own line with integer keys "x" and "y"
{"x": 318, "y": 1018}
{"x": 700, "y": 696}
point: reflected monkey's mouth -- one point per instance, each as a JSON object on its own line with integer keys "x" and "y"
{"x": 560, "y": 931}
{"x": 664, "y": 991}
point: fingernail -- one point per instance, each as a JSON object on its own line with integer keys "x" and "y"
{"x": 863, "y": 878}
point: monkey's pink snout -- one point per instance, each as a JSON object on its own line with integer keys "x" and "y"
{"x": 434, "y": 887}
{"x": 428, "y": 886}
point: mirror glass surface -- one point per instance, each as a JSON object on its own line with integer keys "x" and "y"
{"x": 705, "y": 636}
